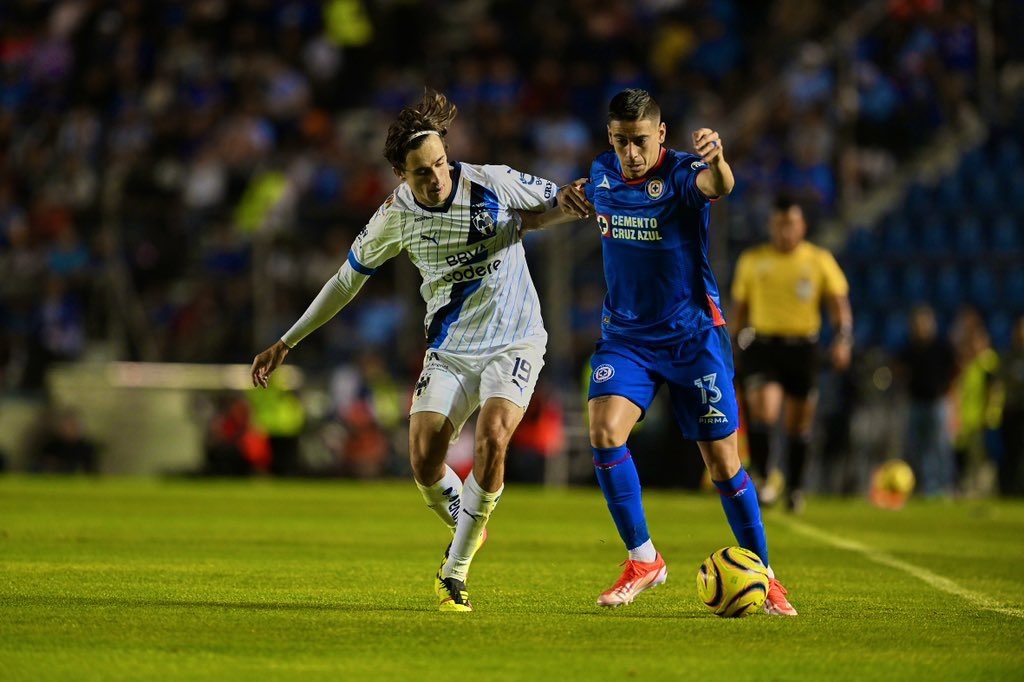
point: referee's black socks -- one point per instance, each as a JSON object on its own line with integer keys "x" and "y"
{"x": 759, "y": 442}
{"x": 796, "y": 453}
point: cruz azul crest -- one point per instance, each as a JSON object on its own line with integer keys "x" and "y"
{"x": 655, "y": 186}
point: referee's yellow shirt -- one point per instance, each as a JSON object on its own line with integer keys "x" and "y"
{"x": 784, "y": 291}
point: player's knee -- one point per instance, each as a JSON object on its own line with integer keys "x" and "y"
{"x": 492, "y": 444}
{"x": 426, "y": 455}
{"x": 604, "y": 435}
{"x": 425, "y": 466}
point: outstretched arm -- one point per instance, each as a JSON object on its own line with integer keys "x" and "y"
{"x": 335, "y": 295}
{"x": 842, "y": 325}
{"x": 572, "y": 205}
{"x": 716, "y": 180}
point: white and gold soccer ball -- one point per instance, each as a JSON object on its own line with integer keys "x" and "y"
{"x": 891, "y": 484}
{"x": 733, "y": 582}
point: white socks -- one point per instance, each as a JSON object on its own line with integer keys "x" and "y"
{"x": 645, "y": 552}
{"x": 443, "y": 497}
{"x": 476, "y": 507}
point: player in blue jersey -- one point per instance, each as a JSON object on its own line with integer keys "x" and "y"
{"x": 661, "y": 324}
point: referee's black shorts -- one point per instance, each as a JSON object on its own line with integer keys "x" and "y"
{"x": 791, "y": 361}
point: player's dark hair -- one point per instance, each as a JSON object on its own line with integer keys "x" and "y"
{"x": 784, "y": 202}
{"x": 432, "y": 112}
{"x": 634, "y": 104}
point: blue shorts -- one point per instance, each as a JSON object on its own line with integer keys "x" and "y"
{"x": 699, "y": 373}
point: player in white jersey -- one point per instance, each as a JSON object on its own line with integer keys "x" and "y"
{"x": 459, "y": 225}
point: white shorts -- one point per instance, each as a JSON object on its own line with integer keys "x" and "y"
{"x": 455, "y": 384}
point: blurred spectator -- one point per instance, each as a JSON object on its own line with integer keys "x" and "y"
{"x": 927, "y": 367}
{"x": 837, "y": 404}
{"x": 280, "y": 414}
{"x": 539, "y": 436}
{"x": 370, "y": 407}
{"x": 978, "y": 413}
{"x": 1011, "y": 378}
{"x": 65, "y": 447}
{"x": 233, "y": 445}
{"x": 365, "y": 449}
{"x": 62, "y": 322}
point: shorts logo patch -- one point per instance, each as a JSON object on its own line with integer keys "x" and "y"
{"x": 714, "y": 416}
{"x": 603, "y": 373}
{"x": 421, "y": 386}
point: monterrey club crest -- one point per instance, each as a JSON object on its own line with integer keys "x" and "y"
{"x": 655, "y": 187}
{"x": 484, "y": 223}
{"x": 604, "y": 224}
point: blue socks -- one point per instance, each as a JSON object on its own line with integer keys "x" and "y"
{"x": 739, "y": 500}
{"x": 620, "y": 483}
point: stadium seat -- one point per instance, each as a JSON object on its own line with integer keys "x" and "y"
{"x": 932, "y": 239}
{"x": 878, "y": 285}
{"x": 915, "y": 287}
{"x": 861, "y": 244}
{"x": 854, "y": 277}
{"x": 1013, "y": 286}
{"x": 1008, "y": 156}
{"x": 894, "y": 334}
{"x": 968, "y": 237}
{"x": 1006, "y": 234}
{"x": 1013, "y": 190}
{"x": 1000, "y": 328}
{"x": 896, "y": 239}
{"x": 982, "y": 288}
{"x": 949, "y": 195}
{"x": 973, "y": 162}
{"x": 918, "y": 199}
{"x": 984, "y": 188}
{"x": 948, "y": 289}
{"x": 864, "y": 327}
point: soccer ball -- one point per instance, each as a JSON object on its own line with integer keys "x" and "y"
{"x": 891, "y": 484}
{"x": 732, "y": 582}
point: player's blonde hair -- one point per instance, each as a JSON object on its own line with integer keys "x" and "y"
{"x": 432, "y": 114}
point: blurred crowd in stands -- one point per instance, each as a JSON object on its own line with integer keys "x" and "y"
{"x": 178, "y": 178}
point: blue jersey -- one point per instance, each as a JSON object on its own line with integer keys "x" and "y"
{"x": 654, "y": 235}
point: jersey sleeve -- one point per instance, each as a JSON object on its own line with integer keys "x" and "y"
{"x": 835, "y": 283}
{"x": 521, "y": 190}
{"x": 741, "y": 279}
{"x": 589, "y": 188}
{"x": 686, "y": 174}
{"x": 378, "y": 242}
{"x": 335, "y": 295}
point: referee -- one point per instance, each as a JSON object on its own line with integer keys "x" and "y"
{"x": 778, "y": 291}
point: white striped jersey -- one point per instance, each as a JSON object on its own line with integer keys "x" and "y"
{"x": 476, "y": 283}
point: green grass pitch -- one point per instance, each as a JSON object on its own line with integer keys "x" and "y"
{"x": 256, "y": 580}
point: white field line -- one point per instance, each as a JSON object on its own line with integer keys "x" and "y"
{"x": 937, "y": 581}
